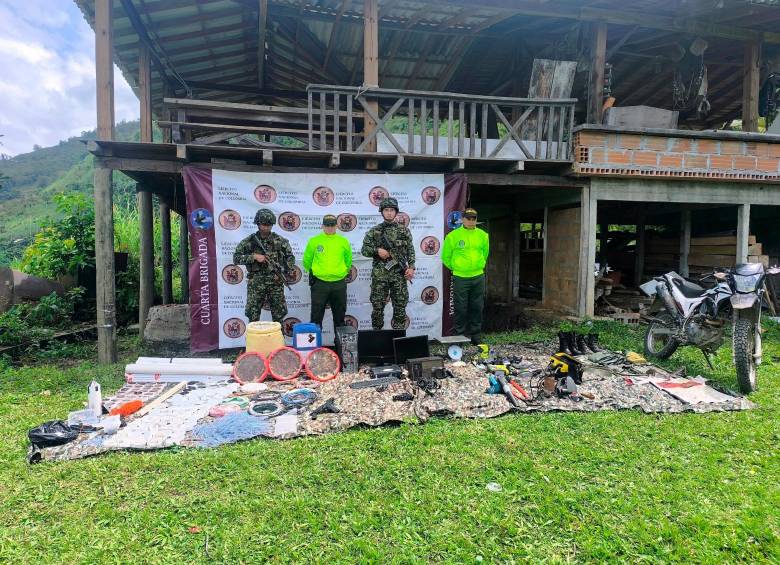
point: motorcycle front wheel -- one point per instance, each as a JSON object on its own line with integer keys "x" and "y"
{"x": 744, "y": 347}
{"x": 659, "y": 337}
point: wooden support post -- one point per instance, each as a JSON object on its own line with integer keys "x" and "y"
{"x": 146, "y": 276}
{"x": 370, "y": 43}
{"x": 144, "y": 197}
{"x": 145, "y": 92}
{"x": 743, "y": 232}
{"x": 167, "y": 134}
{"x": 639, "y": 257}
{"x": 184, "y": 258}
{"x": 104, "y": 215}
{"x": 371, "y": 69}
{"x": 545, "y": 270}
{"x": 685, "y": 241}
{"x": 165, "y": 254}
{"x": 261, "y": 35}
{"x": 598, "y": 57}
{"x": 750, "y": 84}
{"x": 603, "y": 235}
{"x": 514, "y": 281}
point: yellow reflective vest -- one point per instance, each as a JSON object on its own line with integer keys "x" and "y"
{"x": 465, "y": 252}
{"x": 329, "y": 257}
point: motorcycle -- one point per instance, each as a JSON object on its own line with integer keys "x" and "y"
{"x": 685, "y": 313}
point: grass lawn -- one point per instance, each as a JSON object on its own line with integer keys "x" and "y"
{"x": 616, "y": 487}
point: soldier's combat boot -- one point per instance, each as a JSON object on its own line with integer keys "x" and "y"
{"x": 593, "y": 342}
{"x": 573, "y": 344}
{"x": 563, "y": 343}
{"x": 581, "y": 345}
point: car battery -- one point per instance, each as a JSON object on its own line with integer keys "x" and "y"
{"x": 347, "y": 348}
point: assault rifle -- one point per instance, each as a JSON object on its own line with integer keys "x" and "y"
{"x": 398, "y": 258}
{"x": 273, "y": 265}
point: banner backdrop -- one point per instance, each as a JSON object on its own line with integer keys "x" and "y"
{"x": 221, "y": 206}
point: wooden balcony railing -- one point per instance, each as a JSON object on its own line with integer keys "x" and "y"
{"x": 409, "y": 122}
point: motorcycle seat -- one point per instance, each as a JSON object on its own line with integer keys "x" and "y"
{"x": 747, "y": 269}
{"x": 687, "y": 288}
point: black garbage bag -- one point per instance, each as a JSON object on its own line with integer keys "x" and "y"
{"x": 54, "y": 432}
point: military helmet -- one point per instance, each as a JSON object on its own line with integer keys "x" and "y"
{"x": 265, "y": 217}
{"x": 388, "y": 203}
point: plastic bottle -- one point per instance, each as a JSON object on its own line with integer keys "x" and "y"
{"x": 95, "y": 399}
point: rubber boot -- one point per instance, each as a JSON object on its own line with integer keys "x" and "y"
{"x": 581, "y": 345}
{"x": 573, "y": 344}
{"x": 593, "y": 342}
{"x": 563, "y": 343}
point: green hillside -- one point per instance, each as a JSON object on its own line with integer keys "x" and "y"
{"x": 32, "y": 178}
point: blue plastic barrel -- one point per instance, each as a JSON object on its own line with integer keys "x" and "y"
{"x": 306, "y": 336}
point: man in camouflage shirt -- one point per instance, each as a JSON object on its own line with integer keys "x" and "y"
{"x": 389, "y": 244}
{"x": 269, "y": 261}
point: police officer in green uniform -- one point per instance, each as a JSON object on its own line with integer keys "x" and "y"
{"x": 465, "y": 253}
{"x": 269, "y": 261}
{"x": 328, "y": 259}
{"x": 389, "y": 244}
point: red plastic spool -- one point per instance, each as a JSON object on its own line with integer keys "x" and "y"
{"x": 285, "y": 364}
{"x": 322, "y": 364}
{"x": 250, "y": 367}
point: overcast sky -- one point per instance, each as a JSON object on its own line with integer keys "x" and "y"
{"x": 47, "y": 75}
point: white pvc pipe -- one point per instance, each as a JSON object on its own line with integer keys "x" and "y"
{"x": 180, "y": 369}
{"x": 160, "y": 378}
{"x": 196, "y": 361}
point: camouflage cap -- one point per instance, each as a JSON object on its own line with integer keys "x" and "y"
{"x": 265, "y": 217}
{"x": 388, "y": 203}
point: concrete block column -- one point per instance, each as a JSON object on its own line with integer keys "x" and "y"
{"x": 587, "y": 252}
{"x": 743, "y": 232}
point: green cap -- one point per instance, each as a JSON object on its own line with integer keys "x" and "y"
{"x": 329, "y": 220}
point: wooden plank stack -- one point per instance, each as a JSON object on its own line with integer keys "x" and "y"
{"x": 720, "y": 251}
{"x": 706, "y": 253}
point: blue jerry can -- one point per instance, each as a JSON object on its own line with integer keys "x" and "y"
{"x": 306, "y": 336}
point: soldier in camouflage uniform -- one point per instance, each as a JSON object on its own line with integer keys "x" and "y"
{"x": 265, "y": 279}
{"x": 385, "y": 242}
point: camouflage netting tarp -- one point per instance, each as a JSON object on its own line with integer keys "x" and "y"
{"x": 463, "y": 396}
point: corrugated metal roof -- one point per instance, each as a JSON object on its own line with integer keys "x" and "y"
{"x": 476, "y": 47}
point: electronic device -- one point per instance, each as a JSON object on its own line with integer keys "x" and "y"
{"x": 410, "y": 347}
{"x": 385, "y": 371}
{"x": 346, "y": 346}
{"x": 455, "y": 352}
{"x": 425, "y": 368}
{"x": 375, "y": 383}
{"x": 375, "y": 347}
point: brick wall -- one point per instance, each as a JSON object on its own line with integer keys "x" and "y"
{"x": 610, "y": 153}
{"x": 562, "y": 259}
